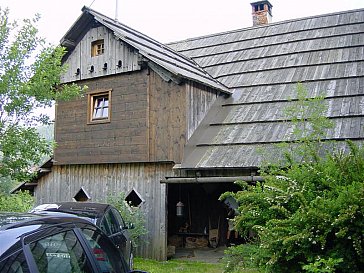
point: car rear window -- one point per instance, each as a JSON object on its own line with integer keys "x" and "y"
{"x": 60, "y": 253}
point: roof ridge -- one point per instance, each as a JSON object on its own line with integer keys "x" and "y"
{"x": 263, "y": 26}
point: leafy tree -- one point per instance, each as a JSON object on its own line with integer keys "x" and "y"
{"x": 29, "y": 79}
{"x": 309, "y": 215}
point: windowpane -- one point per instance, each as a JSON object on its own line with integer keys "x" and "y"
{"x": 15, "y": 264}
{"x": 106, "y": 255}
{"x": 105, "y": 112}
{"x": 114, "y": 224}
{"x": 109, "y": 224}
{"x": 100, "y": 49}
{"x": 118, "y": 218}
{"x": 105, "y": 227}
{"x": 101, "y": 107}
{"x": 60, "y": 253}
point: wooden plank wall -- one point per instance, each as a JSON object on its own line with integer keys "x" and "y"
{"x": 100, "y": 181}
{"x": 198, "y": 100}
{"x": 167, "y": 119}
{"x": 115, "y": 50}
{"x": 175, "y": 111}
{"x": 123, "y": 139}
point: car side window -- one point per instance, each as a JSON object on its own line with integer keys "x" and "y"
{"x": 107, "y": 257}
{"x": 16, "y": 263}
{"x": 118, "y": 218}
{"x": 112, "y": 222}
{"x": 60, "y": 253}
{"x": 105, "y": 226}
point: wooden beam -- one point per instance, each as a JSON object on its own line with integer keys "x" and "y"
{"x": 218, "y": 179}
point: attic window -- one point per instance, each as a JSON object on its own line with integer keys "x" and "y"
{"x": 99, "y": 105}
{"x": 97, "y": 48}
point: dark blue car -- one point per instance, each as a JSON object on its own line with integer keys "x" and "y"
{"x": 105, "y": 216}
{"x": 36, "y": 243}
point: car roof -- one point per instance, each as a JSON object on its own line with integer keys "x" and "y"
{"x": 55, "y": 212}
{"x": 85, "y": 208}
{"x": 9, "y": 220}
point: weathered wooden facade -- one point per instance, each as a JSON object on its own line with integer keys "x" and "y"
{"x": 182, "y": 122}
{"x": 102, "y": 180}
{"x": 129, "y": 129}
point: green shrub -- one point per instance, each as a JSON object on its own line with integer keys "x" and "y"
{"x": 19, "y": 202}
{"x": 309, "y": 216}
{"x": 322, "y": 265}
{"x": 240, "y": 257}
{"x": 131, "y": 215}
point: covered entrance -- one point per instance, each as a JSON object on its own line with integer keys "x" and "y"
{"x": 196, "y": 217}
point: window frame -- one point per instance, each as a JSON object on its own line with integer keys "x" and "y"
{"x": 96, "y": 46}
{"x": 91, "y": 98}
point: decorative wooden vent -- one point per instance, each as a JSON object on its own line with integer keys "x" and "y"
{"x": 82, "y": 196}
{"x": 134, "y": 198}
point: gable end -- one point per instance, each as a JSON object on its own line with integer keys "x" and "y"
{"x": 99, "y": 53}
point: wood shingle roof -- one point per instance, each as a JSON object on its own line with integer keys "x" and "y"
{"x": 262, "y": 66}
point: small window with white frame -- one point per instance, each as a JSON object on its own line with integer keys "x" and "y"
{"x": 99, "y": 106}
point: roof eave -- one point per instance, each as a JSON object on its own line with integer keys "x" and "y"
{"x": 76, "y": 29}
{"x": 211, "y": 82}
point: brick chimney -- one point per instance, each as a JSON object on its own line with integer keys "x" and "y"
{"x": 262, "y": 13}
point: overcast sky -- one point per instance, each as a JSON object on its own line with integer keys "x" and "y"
{"x": 167, "y": 21}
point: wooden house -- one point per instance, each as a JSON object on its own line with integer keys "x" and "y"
{"x": 183, "y": 121}
{"x": 129, "y": 129}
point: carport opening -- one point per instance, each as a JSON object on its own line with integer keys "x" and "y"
{"x": 204, "y": 219}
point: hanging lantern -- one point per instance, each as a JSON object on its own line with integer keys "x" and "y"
{"x": 179, "y": 209}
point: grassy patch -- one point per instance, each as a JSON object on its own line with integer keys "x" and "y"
{"x": 174, "y": 266}
{"x": 179, "y": 266}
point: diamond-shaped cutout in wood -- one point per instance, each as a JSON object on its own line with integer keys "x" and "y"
{"x": 134, "y": 199}
{"x": 82, "y": 196}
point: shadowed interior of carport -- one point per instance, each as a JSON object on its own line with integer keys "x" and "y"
{"x": 203, "y": 212}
